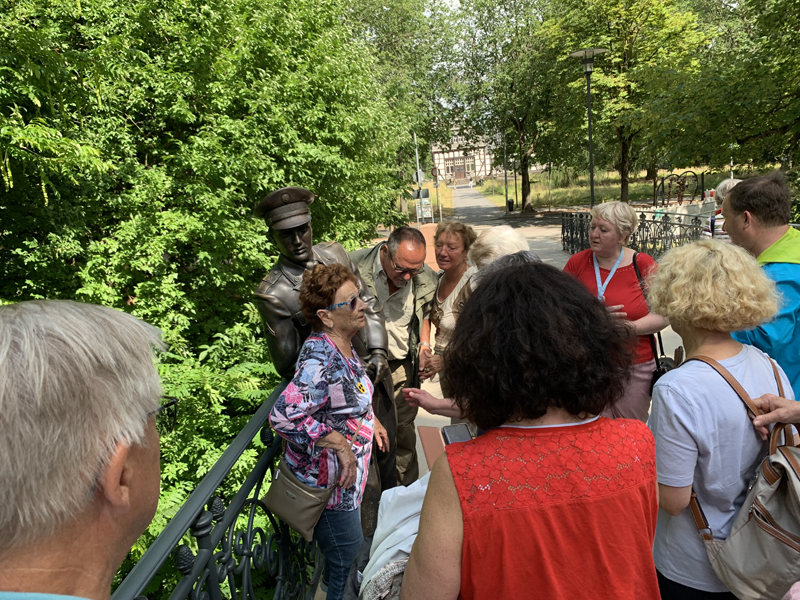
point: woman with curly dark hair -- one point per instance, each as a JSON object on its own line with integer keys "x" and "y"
{"x": 554, "y": 501}
{"x": 327, "y": 404}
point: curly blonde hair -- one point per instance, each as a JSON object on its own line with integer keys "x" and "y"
{"x": 711, "y": 285}
{"x": 620, "y": 214}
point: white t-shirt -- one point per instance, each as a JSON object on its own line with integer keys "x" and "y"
{"x": 704, "y": 438}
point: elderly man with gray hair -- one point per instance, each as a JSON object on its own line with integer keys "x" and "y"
{"x": 79, "y": 450}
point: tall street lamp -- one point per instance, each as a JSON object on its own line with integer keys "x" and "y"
{"x": 587, "y": 60}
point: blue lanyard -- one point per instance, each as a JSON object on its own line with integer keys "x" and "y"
{"x": 601, "y": 288}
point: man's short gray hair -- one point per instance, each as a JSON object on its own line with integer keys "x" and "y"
{"x": 75, "y": 380}
{"x": 404, "y": 234}
{"x": 495, "y": 242}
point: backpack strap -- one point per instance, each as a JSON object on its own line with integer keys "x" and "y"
{"x": 743, "y": 396}
{"x": 699, "y": 517}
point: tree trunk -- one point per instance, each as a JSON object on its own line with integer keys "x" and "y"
{"x": 652, "y": 168}
{"x": 625, "y": 140}
{"x": 524, "y": 167}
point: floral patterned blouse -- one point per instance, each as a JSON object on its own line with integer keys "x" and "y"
{"x": 328, "y": 393}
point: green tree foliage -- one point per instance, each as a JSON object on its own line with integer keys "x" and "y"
{"x": 411, "y": 40}
{"x": 136, "y": 138}
{"x": 652, "y": 45}
{"x": 745, "y": 102}
{"x": 515, "y": 82}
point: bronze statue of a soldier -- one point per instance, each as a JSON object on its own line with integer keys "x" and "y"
{"x": 286, "y": 212}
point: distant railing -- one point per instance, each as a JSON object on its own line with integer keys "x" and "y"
{"x": 679, "y": 183}
{"x": 654, "y": 235}
{"x": 236, "y": 544}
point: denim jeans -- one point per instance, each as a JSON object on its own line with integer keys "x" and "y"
{"x": 339, "y": 536}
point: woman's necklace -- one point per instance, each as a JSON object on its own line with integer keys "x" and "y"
{"x": 447, "y": 283}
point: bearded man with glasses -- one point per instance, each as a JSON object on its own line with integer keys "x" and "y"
{"x": 396, "y": 273}
{"x": 81, "y": 411}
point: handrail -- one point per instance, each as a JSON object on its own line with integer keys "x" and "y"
{"x": 211, "y": 527}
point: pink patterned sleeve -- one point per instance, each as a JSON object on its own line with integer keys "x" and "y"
{"x": 293, "y": 416}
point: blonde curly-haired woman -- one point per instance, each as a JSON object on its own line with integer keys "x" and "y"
{"x": 704, "y": 439}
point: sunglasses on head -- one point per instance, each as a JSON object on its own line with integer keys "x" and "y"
{"x": 352, "y": 304}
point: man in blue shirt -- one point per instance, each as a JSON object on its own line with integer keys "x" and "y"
{"x": 757, "y": 213}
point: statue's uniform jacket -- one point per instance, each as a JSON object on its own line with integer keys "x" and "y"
{"x": 278, "y": 301}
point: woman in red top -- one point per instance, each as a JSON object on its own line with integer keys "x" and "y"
{"x": 607, "y": 271}
{"x": 554, "y": 502}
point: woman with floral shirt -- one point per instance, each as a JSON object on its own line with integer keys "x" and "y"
{"x": 325, "y": 414}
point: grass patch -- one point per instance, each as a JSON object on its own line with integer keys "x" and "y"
{"x": 606, "y": 189}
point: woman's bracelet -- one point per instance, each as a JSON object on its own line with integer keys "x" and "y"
{"x": 426, "y": 344}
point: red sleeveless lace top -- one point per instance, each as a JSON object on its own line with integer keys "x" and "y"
{"x": 560, "y": 512}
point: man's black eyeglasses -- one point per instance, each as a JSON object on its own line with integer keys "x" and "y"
{"x": 166, "y": 415}
{"x": 411, "y": 272}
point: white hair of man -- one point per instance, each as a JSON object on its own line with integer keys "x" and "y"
{"x": 723, "y": 188}
{"x": 495, "y": 242}
{"x": 75, "y": 381}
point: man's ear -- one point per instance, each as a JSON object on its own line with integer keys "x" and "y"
{"x": 115, "y": 481}
{"x": 747, "y": 218}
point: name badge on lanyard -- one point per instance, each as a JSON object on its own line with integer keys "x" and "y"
{"x": 601, "y": 287}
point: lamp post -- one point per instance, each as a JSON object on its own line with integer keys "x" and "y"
{"x": 587, "y": 60}
{"x": 505, "y": 172}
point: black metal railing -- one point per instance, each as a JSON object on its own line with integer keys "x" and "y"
{"x": 575, "y": 231}
{"x": 654, "y": 235}
{"x": 236, "y": 545}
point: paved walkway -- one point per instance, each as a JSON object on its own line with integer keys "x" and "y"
{"x": 543, "y": 232}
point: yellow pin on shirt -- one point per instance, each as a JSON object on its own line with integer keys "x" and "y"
{"x": 360, "y": 387}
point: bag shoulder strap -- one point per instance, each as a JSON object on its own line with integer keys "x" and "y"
{"x": 699, "y": 517}
{"x": 651, "y": 337}
{"x": 737, "y": 387}
{"x": 358, "y": 430}
{"x": 777, "y": 378}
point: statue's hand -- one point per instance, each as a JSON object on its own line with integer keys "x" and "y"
{"x": 377, "y": 366}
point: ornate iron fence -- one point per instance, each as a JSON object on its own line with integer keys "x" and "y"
{"x": 575, "y": 231}
{"x": 654, "y": 235}
{"x": 679, "y": 183}
{"x": 235, "y": 544}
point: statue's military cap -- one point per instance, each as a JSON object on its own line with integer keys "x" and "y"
{"x": 286, "y": 208}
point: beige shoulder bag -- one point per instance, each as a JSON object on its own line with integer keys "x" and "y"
{"x": 760, "y": 559}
